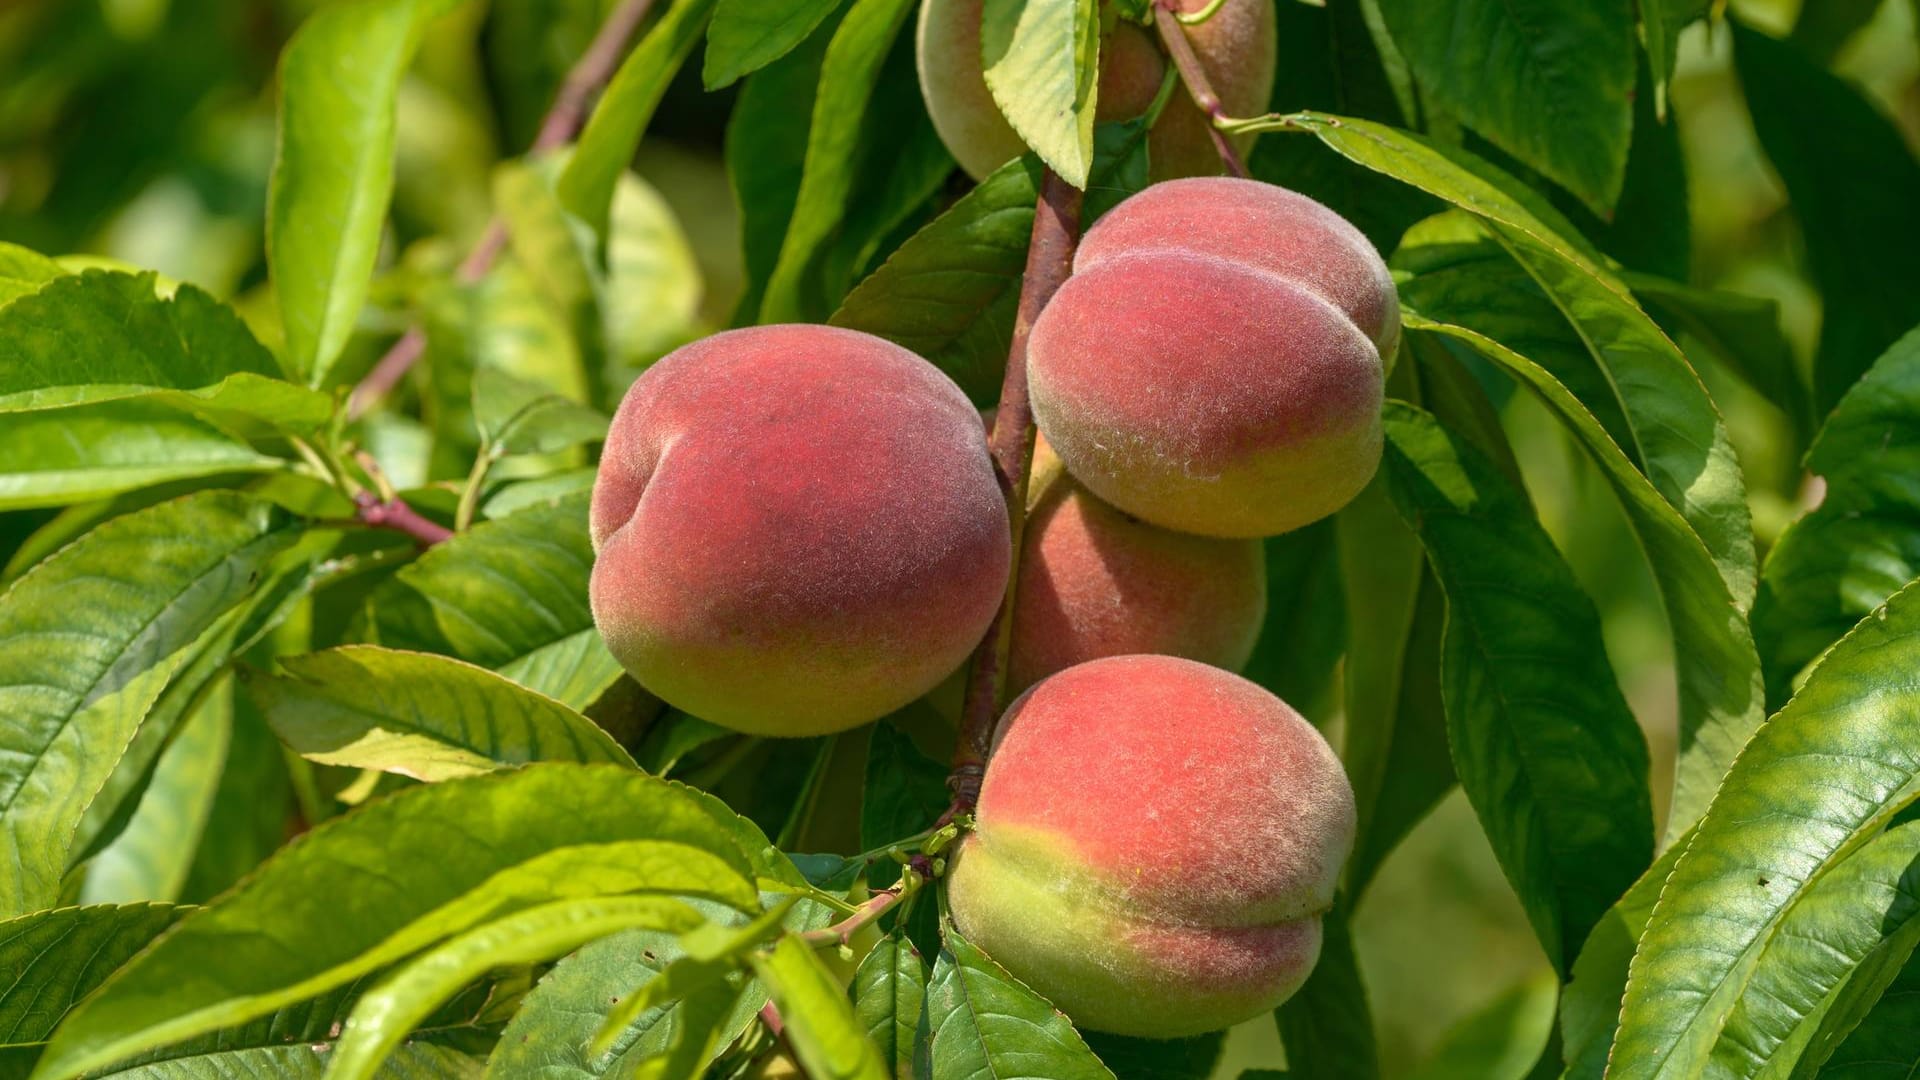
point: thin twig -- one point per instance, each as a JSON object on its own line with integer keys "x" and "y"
{"x": 1167, "y": 19}
{"x": 398, "y": 516}
{"x": 557, "y": 128}
{"x": 841, "y": 933}
{"x": 1056, "y": 230}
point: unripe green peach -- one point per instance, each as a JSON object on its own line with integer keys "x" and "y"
{"x": 1236, "y": 47}
{"x": 797, "y": 529}
{"x": 1214, "y": 364}
{"x": 1096, "y": 582}
{"x": 1155, "y": 843}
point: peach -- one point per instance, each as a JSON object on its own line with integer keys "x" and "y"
{"x": 1236, "y": 47}
{"x": 1095, "y": 582}
{"x": 797, "y": 529}
{"x": 1154, "y": 845}
{"x": 1215, "y": 363}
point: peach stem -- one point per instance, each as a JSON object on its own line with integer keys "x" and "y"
{"x": 1056, "y": 231}
{"x": 398, "y": 516}
{"x": 557, "y": 128}
{"x": 1180, "y": 50}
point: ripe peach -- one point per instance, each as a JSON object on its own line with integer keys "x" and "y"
{"x": 1214, "y": 364}
{"x": 1154, "y": 845}
{"x": 797, "y": 529}
{"x": 1095, "y": 582}
{"x": 1236, "y": 47}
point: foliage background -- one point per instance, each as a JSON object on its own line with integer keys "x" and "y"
{"x": 142, "y": 131}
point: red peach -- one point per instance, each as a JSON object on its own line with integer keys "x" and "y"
{"x": 1154, "y": 845}
{"x": 797, "y": 529}
{"x": 1214, "y": 365}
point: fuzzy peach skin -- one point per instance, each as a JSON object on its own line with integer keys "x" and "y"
{"x": 1096, "y": 582}
{"x": 1214, "y": 364}
{"x": 796, "y": 528}
{"x": 1154, "y": 845}
{"x": 1236, "y": 47}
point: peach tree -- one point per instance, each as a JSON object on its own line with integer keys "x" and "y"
{"x": 1014, "y": 637}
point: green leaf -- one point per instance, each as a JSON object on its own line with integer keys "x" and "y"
{"x": 747, "y": 35}
{"x": 889, "y": 988}
{"x": 520, "y": 417}
{"x": 620, "y": 118}
{"x": 1660, "y": 24}
{"x": 55, "y": 958}
{"x": 551, "y": 1032}
{"x": 1862, "y": 543}
{"x": 23, "y": 271}
{"x": 88, "y": 640}
{"x": 651, "y": 301}
{"x": 1859, "y": 920}
{"x": 949, "y": 292}
{"x": 1041, "y": 60}
{"x": 1829, "y": 771}
{"x": 400, "y": 874}
{"x": 152, "y": 856}
{"x": 1547, "y": 82}
{"x": 1542, "y": 738}
{"x": 983, "y": 1021}
{"x": 905, "y": 792}
{"x": 64, "y": 456}
{"x": 1721, "y": 701}
{"x": 820, "y": 1024}
{"x": 1822, "y": 29}
{"x": 1501, "y": 1040}
{"x": 1883, "y": 1046}
{"x": 1305, "y": 634}
{"x": 849, "y": 74}
{"x": 100, "y": 336}
{"x": 510, "y": 595}
{"x": 1192, "y": 1058}
{"x": 1851, "y": 179}
{"x": 333, "y": 168}
{"x": 1326, "y": 1025}
{"x": 1590, "y": 1005}
{"x": 251, "y": 808}
{"x": 1743, "y": 333}
{"x": 388, "y": 1012}
{"x": 419, "y": 715}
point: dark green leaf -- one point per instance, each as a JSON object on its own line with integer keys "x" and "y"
{"x": 983, "y": 1021}
{"x": 400, "y": 874}
{"x": 55, "y": 958}
{"x": 510, "y": 595}
{"x": 1326, "y": 1025}
{"x": 251, "y": 807}
{"x": 1590, "y": 1005}
{"x": 1547, "y": 82}
{"x": 1883, "y": 1045}
{"x": 88, "y": 640}
{"x": 889, "y": 989}
{"x": 1743, "y": 333}
{"x": 62, "y": 456}
{"x": 1851, "y": 179}
{"x": 849, "y": 74}
{"x": 949, "y": 293}
{"x": 1823, "y": 28}
{"x": 1305, "y": 633}
{"x": 100, "y": 336}
{"x": 422, "y": 716}
{"x": 1040, "y": 59}
{"x": 1820, "y": 779}
{"x": 1542, "y": 738}
{"x": 333, "y": 168}
{"x": 747, "y": 35}
{"x": 1660, "y": 24}
{"x": 1862, "y": 543}
{"x": 619, "y": 120}
{"x": 905, "y": 791}
{"x": 1191, "y": 1058}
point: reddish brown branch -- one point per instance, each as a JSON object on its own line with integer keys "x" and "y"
{"x": 1194, "y": 75}
{"x": 398, "y": 516}
{"x": 1056, "y": 230}
{"x": 841, "y": 933}
{"x": 557, "y": 128}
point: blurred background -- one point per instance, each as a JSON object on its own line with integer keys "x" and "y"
{"x": 142, "y": 131}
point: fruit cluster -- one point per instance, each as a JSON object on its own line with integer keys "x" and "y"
{"x": 798, "y": 530}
